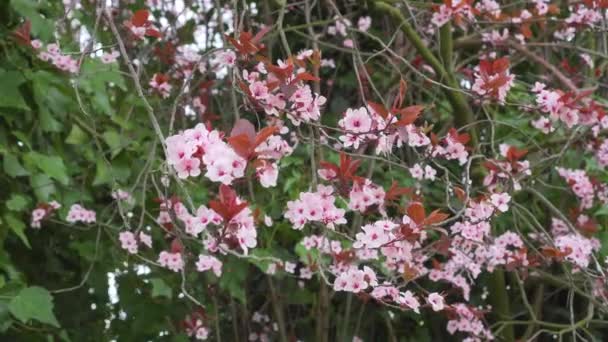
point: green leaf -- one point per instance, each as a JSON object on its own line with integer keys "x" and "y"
{"x": 233, "y": 277}
{"x": 17, "y": 202}
{"x": 603, "y": 211}
{"x": 13, "y": 167}
{"x": 160, "y": 288}
{"x": 43, "y": 186}
{"x": 18, "y": 227}
{"x": 33, "y": 303}
{"x": 48, "y": 122}
{"x": 41, "y": 26}
{"x": 77, "y": 136}
{"x": 51, "y": 165}
{"x": 9, "y": 88}
{"x": 112, "y": 138}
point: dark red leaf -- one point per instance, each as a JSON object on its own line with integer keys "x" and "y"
{"x": 140, "y": 18}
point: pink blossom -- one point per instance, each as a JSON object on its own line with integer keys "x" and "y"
{"x": 172, "y": 261}
{"x": 128, "y": 242}
{"x": 108, "y": 58}
{"x": 79, "y": 214}
{"x": 436, "y": 300}
{"x": 364, "y": 23}
{"x": 208, "y": 262}
{"x": 145, "y": 239}
{"x": 268, "y": 174}
{"x": 501, "y": 201}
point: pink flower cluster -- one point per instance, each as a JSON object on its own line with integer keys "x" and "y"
{"x": 505, "y": 171}
{"x": 364, "y": 195}
{"x": 196, "y": 224}
{"x": 341, "y": 26}
{"x": 315, "y": 207}
{"x": 172, "y": 261}
{"x": 79, "y": 214}
{"x": 495, "y": 84}
{"x": 43, "y": 211}
{"x": 451, "y": 9}
{"x": 198, "y": 146}
{"x": 419, "y": 173}
{"x": 579, "y": 249}
{"x": 297, "y": 102}
{"x": 375, "y": 235}
{"x": 355, "y": 280}
{"x": 130, "y": 242}
{"x": 451, "y": 149}
{"x": 160, "y": 83}
{"x": 580, "y": 184}
{"x": 241, "y": 227}
{"x": 467, "y": 321}
{"x": 601, "y": 154}
{"x": 54, "y": 55}
{"x": 208, "y": 262}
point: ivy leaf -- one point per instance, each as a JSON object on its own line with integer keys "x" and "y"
{"x": 13, "y": 167}
{"x": 112, "y": 138}
{"x": 9, "y": 88}
{"x": 17, "y": 227}
{"x": 77, "y": 136}
{"x": 43, "y": 186}
{"x": 17, "y": 203}
{"x": 33, "y": 303}
{"x": 51, "y": 165}
{"x": 603, "y": 211}
{"x": 233, "y": 277}
{"x": 160, "y": 288}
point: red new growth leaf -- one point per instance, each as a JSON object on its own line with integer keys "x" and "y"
{"x": 176, "y": 246}
{"x": 247, "y": 43}
{"x": 227, "y": 206}
{"x": 243, "y": 127}
{"x": 398, "y": 102}
{"x": 244, "y": 140}
{"x": 304, "y": 76}
{"x": 281, "y": 72}
{"x": 140, "y": 18}
{"x": 494, "y": 74}
{"x": 416, "y": 212}
{"x": 378, "y": 108}
{"x": 264, "y": 134}
{"x": 166, "y": 53}
{"x": 554, "y": 253}
{"x": 436, "y": 217}
{"x": 22, "y": 33}
{"x": 395, "y": 192}
{"x": 409, "y": 114}
{"x": 461, "y": 138}
{"x": 514, "y": 154}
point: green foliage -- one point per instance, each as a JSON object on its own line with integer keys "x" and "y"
{"x": 33, "y": 303}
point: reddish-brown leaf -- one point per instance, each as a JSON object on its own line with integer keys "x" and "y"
{"x": 395, "y": 192}
{"x": 140, "y": 18}
{"x": 378, "y": 108}
{"x": 152, "y": 32}
{"x": 241, "y": 145}
{"x": 401, "y": 95}
{"x": 409, "y": 272}
{"x": 409, "y": 114}
{"x": 436, "y": 217}
{"x": 416, "y": 212}
{"x": 264, "y": 134}
{"x": 22, "y": 33}
{"x": 514, "y": 154}
{"x": 243, "y": 126}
